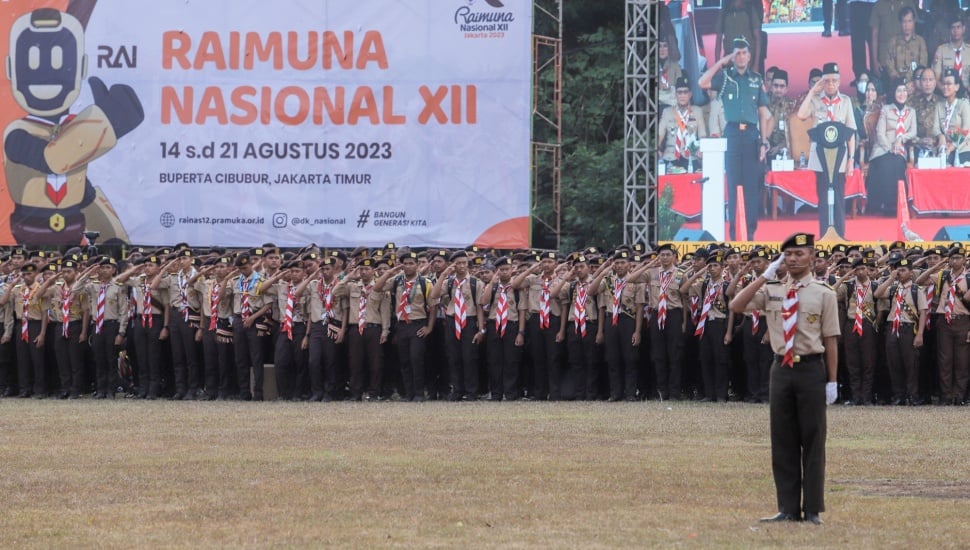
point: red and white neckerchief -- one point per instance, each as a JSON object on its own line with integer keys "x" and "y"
{"x": 288, "y": 314}
{"x": 461, "y": 316}
{"x": 830, "y": 105}
{"x": 664, "y": 81}
{"x": 680, "y": 141}
{"x": 695, "y": 310}
{"x": 666, "y": 277}
{"x": 99, "y": 312}
{"x": 789, "y": 322}
{"x": 930, "y": 296}
{"x": 183, "y": 283}
{"x": 25, "y": 319}
{"x": 861, "y": 292}
{"x": 67, "y": 299}
{"x": 326, "y": 298}
{"x": 901, "y": 117}
{"x": 950, "y": 108}
{"x": 214, "y": 304}
{"x": 362, "y": 308}
{"x": 502, "y": 309}
{"x": 618, "y": 286}
{"x": 579, "y": 309}
{"x": 146, "y": 306}
{"x": 712, "y": 290}
{"x": 951, "y": 298}
{"x": 246, "y": 286}
{"x": 544, "y": 299}
{"x": 898, "y": 310}
{"x": 404, "y": 306}
{"x": 958, "y": 59}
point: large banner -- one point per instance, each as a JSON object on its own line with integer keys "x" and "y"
{"x": 236, "y": 122}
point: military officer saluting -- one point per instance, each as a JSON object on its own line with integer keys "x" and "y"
{"x": 803, "y": 324}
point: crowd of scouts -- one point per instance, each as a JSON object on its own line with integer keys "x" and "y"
{"x": 628, "y": 324}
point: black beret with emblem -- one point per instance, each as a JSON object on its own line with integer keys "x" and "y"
{"x": 799, "y": 240}
{"x": 458, "y": 254}
{"x": 580, "y": 259}
{"x": 830, "y": 68}
{"x": 622, "y": 255}
{"x": 18, "y": 252}
{"x": 859, "y": 262}
{"x": 367, "y": 262}
{"x": 840, "y": 248}
{"x": 338, "y": 254}
{"x": 242, "y": 260}
{"x": 667, "y": 246}
{"x": 69, "y": 264}
{"x": 681, "y": 83}
{"x": 956, "y": 251}
{"x": 715, "y": 259}
{"x": 37, "y": 254}
{"x": 28, "y": 268}
{"x": 822, "y": 254}
{"x": 504, "y": 260}
{"x": 701, "y": 253}
{"x": 904, "y": 262}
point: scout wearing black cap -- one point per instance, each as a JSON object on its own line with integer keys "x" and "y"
{"x": 681, "y": 83}
{"x": 242, "y": 260}
{"x": 780, "y": 75}
{"x": 830, "y": 69}
{"x": 956, "y": 251}
{"x": 814, "y": 73}
{"x": 740, "y": 43}
{"x": 799, "y": 240}
{"x": 667, "y": 246}
{"x": 28, "y": 268}
{"x": 622, "y": 255}
{"x": 458, "y": 254}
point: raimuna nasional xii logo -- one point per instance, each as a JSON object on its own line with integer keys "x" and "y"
{"x": 471, "y": 18}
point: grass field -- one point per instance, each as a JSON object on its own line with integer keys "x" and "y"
{"x": 161, "y": 474}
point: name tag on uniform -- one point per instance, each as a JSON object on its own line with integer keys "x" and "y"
{"x": 742, "y": 126}
{"x": 774, "y": 298}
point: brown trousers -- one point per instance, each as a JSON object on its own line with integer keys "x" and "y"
{"x": 860, "y": 358}
{"x": 903, "y": 361}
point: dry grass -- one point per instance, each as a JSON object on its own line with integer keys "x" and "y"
{"x": 464, "y": 475}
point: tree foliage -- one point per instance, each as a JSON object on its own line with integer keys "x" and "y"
{"x": 592, "y": 119}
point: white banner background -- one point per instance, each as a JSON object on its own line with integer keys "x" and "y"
{"x": 444, "y": 184}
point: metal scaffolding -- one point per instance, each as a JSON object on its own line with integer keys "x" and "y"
{"x": 547, "y": 117}
{"x": 640, "y": 123}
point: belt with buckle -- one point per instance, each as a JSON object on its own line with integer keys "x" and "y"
{"x": 808, "y": 358}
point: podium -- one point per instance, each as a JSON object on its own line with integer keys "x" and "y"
{"x": 713, "y": 204}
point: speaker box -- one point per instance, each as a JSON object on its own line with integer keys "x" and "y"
{"x": 953, "y": 233}
{"x": 692, "y": 235}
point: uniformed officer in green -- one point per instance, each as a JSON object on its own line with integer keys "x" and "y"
{"x": 746, "y": 112}
{"x": 803, "y": 324}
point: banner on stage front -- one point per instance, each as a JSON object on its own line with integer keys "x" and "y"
{"x": 238, "y": 122}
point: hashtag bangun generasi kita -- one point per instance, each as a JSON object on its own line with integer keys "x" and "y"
{"x": 262, "y": 178}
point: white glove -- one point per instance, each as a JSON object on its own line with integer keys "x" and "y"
{"x": 772, "y": 270}
{"x": 831, "y": 392}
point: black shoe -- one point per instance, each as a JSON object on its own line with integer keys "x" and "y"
{"x": 813, "y": 519}
{"x": 9, "y": 392}
{"x": 208, "y": 397}
{"x": 469, "y": 397}
{"x": 896, "y": 402}
{"x": 63, "y": 395}
{"x": 178, "y": 396}
{"x": 845, "y": 33}
{"x": 705, "y": 400}
{"x": 493, "y": 397}
{"x": 100, "y": 395}
{"x": 316, "y": 398}
{"x": 44, "y": 396}
{"x": 780, "y": 516}
{"x": 418, "y": 399}
{"x": 257, "y": 397}
{"x": 826, "y": 34}
{"x": 23, "y": 394}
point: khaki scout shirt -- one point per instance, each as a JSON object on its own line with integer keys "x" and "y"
{"x": 299, "y": 304}
{"x": 674, "y": 300}
{"x": 669, "y": 74}
{"x": 954, "y": 116}
{"x": 694, "y": 129}
{"x": 206, "y": 288}
{"x": 851, "y": 301}
{"x": 910, "y": 311}
{"x": 820, "y": 114}
{"x": 418, "y": 308}
{"x": 946, "y": 57}
{"x": 818, "y": 314}
{"x": 903, "y": 56}
{"x": 35, "y": 307}
{"x": 250, "y": 286}
{"x": 466, "y": 291}
{"x": 701, "y": 288}
{"x": 715, "y": 118}
{"x": 592, "y": 301}
{"x": 57, "y": 293}
{"x": 961, "y": 288}
{"x": 138, "y": 285}
{"x": 534, "y": 284}
{"x": 173, "y": 284}
{"x": 316, "y": 292}
{"x": 632, "y": 298}
{"x": 115, "y": 300}
{"x": 513, "y": 304}
{"x": 885, "y": 137}
{"x": 378, "y": 303}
